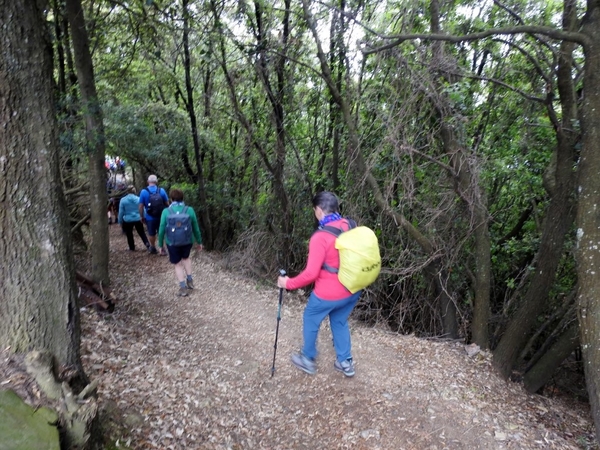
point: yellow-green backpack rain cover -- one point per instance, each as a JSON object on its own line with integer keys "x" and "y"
{"x": 360, "y": 261}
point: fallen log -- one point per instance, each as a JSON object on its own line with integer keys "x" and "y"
{"x": 94, "y": 294}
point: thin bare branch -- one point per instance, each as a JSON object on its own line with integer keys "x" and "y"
{"x": 553, "y": 33}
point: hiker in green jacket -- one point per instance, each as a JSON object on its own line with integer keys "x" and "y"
{"x": 179, "y": 227}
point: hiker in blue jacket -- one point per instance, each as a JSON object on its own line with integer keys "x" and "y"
{"x": 129, "y": 218}
{"x": 153, "y": 199}
{"x": 183, "y": 230}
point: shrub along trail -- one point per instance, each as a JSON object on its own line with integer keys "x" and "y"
{"x": 195, "y": 373}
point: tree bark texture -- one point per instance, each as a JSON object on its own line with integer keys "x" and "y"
{"x": 588, "y": 214}
{"x": 38, "y": 300}
{"x": 542, "y": 371}
{"x": 95, "y": 141}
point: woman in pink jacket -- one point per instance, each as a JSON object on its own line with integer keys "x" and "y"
{"x": 329, "y": 297}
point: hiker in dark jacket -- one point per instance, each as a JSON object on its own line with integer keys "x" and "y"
{"x": 129, "y": 218}
{"x": 179, "y": 253}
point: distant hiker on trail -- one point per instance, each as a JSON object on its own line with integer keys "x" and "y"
{"x": 329, "y": 297}
{"x": 129, "y": 218}
{"x": 110, "y": 207}
{"x": 153, "y": 200}
{"x": 179, "y": 225}
{"x": 111, "y": 210}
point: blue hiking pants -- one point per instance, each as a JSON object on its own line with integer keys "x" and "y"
{"x": 338, "y": 311}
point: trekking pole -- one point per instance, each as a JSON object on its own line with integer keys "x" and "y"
{"x": 282, "y": 273}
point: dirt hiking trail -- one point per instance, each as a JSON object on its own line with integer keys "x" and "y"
{"x": 195, "y": 373}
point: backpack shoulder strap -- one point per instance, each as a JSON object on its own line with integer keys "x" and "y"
{"x": 331, "y": 230}
{"x": 337, "y": 231}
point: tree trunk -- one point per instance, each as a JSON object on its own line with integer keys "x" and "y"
{"x": 542, "y": 371}
{"x": 466, "y": 187}
{"x": 337, "y": 58}
{"x": 205, "y": 221}
{"x": 559, "y": 217}
{"x": 60, "y": 59}
{"x": 588, "y": 216}
{"x": 95, "y": 141}
{"x": 445, "y": 303}
{"x": 38, "y": 300}
{"x": 473, "y": 196}
{"x": 275, "y": 92}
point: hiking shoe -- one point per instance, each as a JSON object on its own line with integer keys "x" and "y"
{"x": 163, "y": 252}
{"x": 346, "y": 367}
{"x": 183, "y": 292}
{"x": 152, "y": 250}
{"x": 190, "y": 283}
{"x": 303, "y": 363}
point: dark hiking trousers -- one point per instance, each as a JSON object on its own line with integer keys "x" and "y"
{"x": 139, "y": 227}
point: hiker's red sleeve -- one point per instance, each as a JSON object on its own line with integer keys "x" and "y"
{"x": 316, "y": 257}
